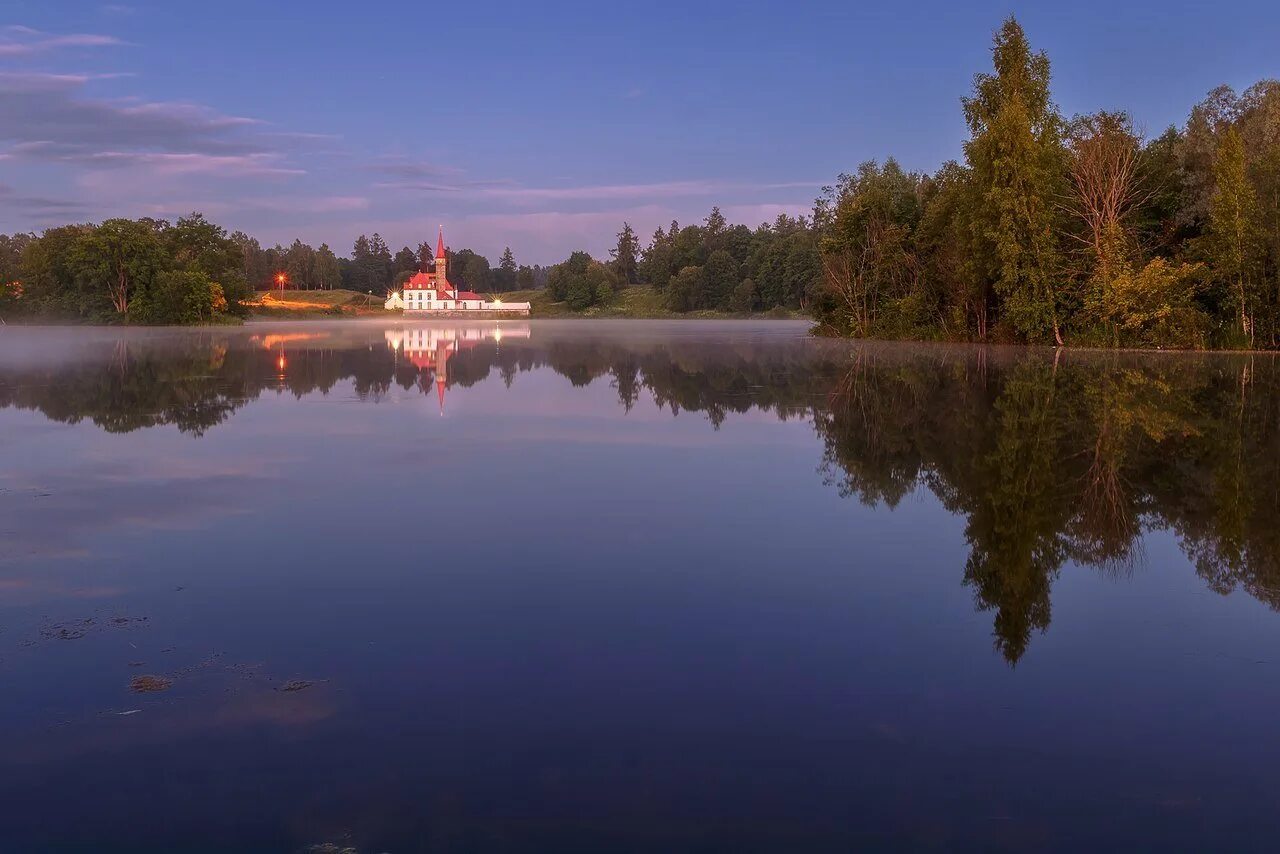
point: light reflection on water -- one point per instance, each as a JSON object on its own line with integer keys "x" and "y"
{"x": 612, "y": 585}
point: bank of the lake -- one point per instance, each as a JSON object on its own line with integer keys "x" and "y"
{"x": 640, "y": 302}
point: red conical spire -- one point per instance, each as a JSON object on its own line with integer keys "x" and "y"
{"x": 440, "y": 393}
{"x": 440, "y": 244}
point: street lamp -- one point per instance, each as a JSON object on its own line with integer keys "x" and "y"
{"x": 281, "y": 278}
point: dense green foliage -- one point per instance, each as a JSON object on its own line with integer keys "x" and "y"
{"x": 1065, "y": 231}
{"x": 708, "y": 266}
{"x": 141, "y": 271}
{"x": 581, "y": 282}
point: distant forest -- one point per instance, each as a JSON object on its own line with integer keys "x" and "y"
{"x": 1052, "y": 230}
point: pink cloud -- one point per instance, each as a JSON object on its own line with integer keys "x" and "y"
{"x": 162, "y": 163}
{"x": 616, "y": 192}
{"x": 24, "y": 41}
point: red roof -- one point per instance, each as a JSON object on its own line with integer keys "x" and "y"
{"x": 440, "y": 244}
{"x": 468, "y": 295}
{"x": 420, "y": 280}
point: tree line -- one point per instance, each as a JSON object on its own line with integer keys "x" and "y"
{"x": 1056, "y": 230}
{"x": 194, "y": 271}
{"x": 1051, "y": 230}
{"x": 710, "y": 265}
{"x": 373, "y": 268}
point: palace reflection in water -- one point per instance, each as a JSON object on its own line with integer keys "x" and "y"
{"x": 1050, "y": 459}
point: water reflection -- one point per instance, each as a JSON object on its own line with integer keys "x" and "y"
{"x": 1050, "y": 459}
{"x": 430, "y": 348}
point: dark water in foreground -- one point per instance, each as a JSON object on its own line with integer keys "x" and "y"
{"x": 632, "y": 587}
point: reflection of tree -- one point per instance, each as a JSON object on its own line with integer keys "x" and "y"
{"x": 132, "y": 387}
{"x": 1227, "y": 511}
{"x": 1050, "y": 460}
{"x": 1069, "y": 458}
{"x": 1017, "y": 529}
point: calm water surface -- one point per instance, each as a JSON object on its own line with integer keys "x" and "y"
{"x": 632, "y": 586}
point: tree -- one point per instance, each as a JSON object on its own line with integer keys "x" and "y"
{"x": 505, "y": 277}
{"x": 685, "y": 289}
{"x": 11, "y": 249}
{"x": 720, "y": 277}
{"x": 525, "y": 280}
{"x": 561, "y": 274}
{"x": 470, "y": 270}
{"x": 1105, "y": 155}
{"x": 180, "y": 297}
{"x": 1154, "y": 306}
{"x": 379, "y": 266}
{"x": 328, "y": 272}
{"x": 121, "y": 257}
{"x": 363, "y": 263}
{"x": 406, "y": 261}
{"x": 713, "y": 232}
{"x": 201, "y": 246}
{"x": 581, "y": 282}
{"x": 1016, "y": 154}
{"x": 11, "y": 287}
{"x": 1106, "y": 187}
{"x": 625, "y": 255}
{"x": 299, "y": 265}
{"x": 1232, "y": 236}
{"x": 654, "y": 266}
{"x": 944, "y": 241}
{"x": 868, "y": 256}
{"x": 744, "y": 297}
{"x": 256, "y": 264}
{"x": 1159, "y": 223}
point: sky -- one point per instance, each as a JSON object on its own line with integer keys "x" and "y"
{"x": 540, "y": 126}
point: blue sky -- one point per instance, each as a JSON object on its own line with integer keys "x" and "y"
{"x": 538, "y": 125}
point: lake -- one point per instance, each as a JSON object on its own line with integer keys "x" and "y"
{"x": 590, "y": 586}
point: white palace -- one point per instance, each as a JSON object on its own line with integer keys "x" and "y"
{"x": 431, "y": 294}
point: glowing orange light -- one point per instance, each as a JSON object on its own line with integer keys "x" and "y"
{"x": 280, "y": 363}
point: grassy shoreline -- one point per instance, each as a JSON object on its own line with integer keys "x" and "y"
{"x": 640, "y": 302}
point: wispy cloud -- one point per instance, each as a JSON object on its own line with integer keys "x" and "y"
{"x": 301, "y": 135}
{"x": 509, "y": 191}
{"x": 411, "y": 170}
{"x": 624, "y": 192}
{"x": 16, "y": 41}
{"x": 38, "y": 205}
{"x": 296, "y": 205}
{"x": 52, "y": 109}
{"x": 307, "y": 204}
{"x": 160, "y": 163}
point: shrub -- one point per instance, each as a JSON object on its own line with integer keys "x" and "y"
{"x": 179, "y": 297}
{"x": 1152, "y": 307}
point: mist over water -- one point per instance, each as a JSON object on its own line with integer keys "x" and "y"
{"x": 624, "y": 585}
